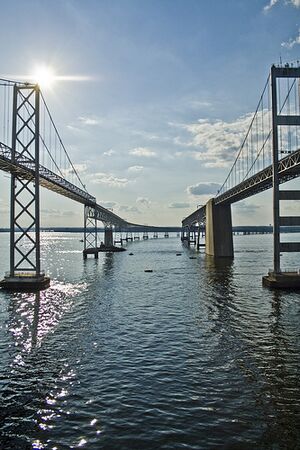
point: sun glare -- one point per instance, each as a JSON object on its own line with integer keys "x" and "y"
{"x": 44, "y": 77}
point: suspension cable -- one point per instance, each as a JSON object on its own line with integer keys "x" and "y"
{"x": 61, "y": 142}
{"x": 43, "y": 141}
{"x": 283, "y": 105}
{"x": 250, "y": 129}
{"x": 7, "y": 82}
{"x": 247, "y": 134}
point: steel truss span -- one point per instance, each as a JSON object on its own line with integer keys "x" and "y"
{"x": 288, "y": 168}
{"x": 98, "y": 212}
{"x": 24, "y": 167}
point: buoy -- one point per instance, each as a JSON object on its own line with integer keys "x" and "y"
{"x": 148, "y": 270}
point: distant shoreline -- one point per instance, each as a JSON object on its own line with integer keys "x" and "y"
{"x": 101, "y": 230}
{"x": 149, "y": 229}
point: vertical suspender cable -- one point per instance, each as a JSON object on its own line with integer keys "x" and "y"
{"x": 289, "y": 136}
{"x": 279, "y": 109}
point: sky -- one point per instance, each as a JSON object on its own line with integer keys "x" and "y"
{"x": 149, "y": 86}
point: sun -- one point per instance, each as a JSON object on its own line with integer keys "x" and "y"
{"x": 44, "y": 76}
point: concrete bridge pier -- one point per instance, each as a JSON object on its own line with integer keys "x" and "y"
{"x": 198, "y": 238}
{"x": 218, "y": 235}
{"x": 129, "y": 237}
{"x": 192, "y": 236}
{"x": 200, "y": 233}
{"x": 108, "y": 236}
{"x": 185, "y": 232}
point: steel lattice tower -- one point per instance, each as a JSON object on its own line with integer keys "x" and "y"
{"x": 280, "y": 119}
{"x": 25, "y": 268}
{"x": 25, "y": 210}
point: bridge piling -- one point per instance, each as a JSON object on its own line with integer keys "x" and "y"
{"x": 200, "y": 233}
{"x": 219, "y": 242}
{"x": 90, "y": 232}
{"x": 108, "y": 236}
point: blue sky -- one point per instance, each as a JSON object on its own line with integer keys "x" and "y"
{"x": 156, "y": 70}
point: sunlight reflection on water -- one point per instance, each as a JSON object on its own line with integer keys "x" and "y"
{"x": 195, "y": 354}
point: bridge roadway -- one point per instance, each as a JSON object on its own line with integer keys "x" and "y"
{"x": 288, "y": 168}
{"x": 25, "y": 168}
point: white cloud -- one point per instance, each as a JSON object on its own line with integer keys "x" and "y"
{"x": 292, "y": 42}
{"x": 143, "y": 201}
{"x": 79, "y": 168}
{"x": 109, "y": 152}
{"x": 90, "y": 120}
{"x": 270, "y": 5}
{"x": 127, "y": 208}
{"x": 107, "y": 204}
{"x": 146, "y": 135}
{"x": 295, "y": 3}
{"x": 203, "y": 188}
{"x": 179, "y": 205}
{"x": 58, "y": 213}
{"x": 200, "y": 104}
{"x": 210, "y": 162}
{"x": 217, "y": 142}
{"x": 135, "y": 168}
{"x": 246, "y": 208}
{"x": 109, "y": 179}
{"x": 142, "y": 151}
{"x": 74, "y": 129}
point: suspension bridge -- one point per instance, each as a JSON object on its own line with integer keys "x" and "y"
{"x": 32, "y": 151}
{"x": 37, "y": 157}
{"x": 268, "y": 156}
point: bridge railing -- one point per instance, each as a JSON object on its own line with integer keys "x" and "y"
{"x": 49, "y": 179}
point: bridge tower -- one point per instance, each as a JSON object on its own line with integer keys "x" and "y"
{"x": 25, "y": 261}
{"x": 90, "y": 232}
{"x": 91, "y": 215}
{"x": 276, "y": 277}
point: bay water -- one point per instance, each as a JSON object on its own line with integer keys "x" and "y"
{"x": 193, "y": 355}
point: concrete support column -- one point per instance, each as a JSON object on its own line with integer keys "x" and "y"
{"x": 198, "y": 237}
{"x": 108, "y": 237}
{"x": 185, "y": 234}
{"x": 183, "y": 237}
{"x": 188, "y": 236}
{"x": 218, "y": 235}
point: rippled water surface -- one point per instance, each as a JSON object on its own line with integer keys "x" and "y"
{"x": 195, "y": 355}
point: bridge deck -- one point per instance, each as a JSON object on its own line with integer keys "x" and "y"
{"x": 288, "y": 168}
{"x": 25, "y": 168}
